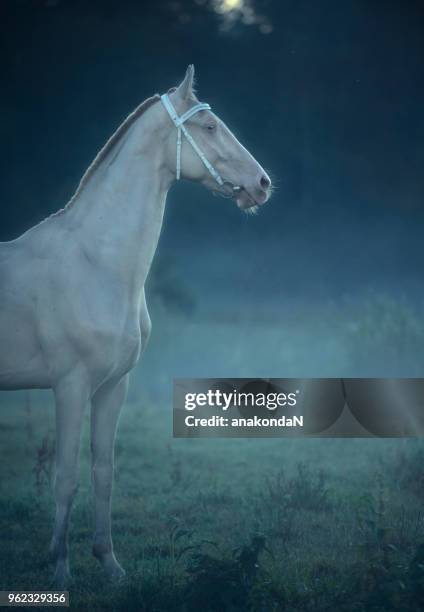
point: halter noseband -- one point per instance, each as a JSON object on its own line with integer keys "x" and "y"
{"x": 179, "y": 124}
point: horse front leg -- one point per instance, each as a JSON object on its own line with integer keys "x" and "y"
{"x": 106, "y": 407}
{"x": 71, "y": 395}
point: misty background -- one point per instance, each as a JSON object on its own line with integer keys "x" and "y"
{"x": 325, "y": 281}
{"x": 328, "y": 96}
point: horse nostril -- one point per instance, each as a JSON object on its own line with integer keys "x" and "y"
{"x": 265, "y": 182}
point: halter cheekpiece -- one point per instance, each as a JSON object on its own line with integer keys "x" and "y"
{"x": 179, "y": 124}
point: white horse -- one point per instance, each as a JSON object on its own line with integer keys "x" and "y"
{"x": 73, "y": 315}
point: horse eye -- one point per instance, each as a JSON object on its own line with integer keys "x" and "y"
{"x": 210, "y": 127}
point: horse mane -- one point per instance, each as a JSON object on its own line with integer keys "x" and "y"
{"x": 107, "y": 148}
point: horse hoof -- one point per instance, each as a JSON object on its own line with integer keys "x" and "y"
{"x": 61, "y": 578}
{"x": 117, "y": 574}
{"x": 113, "y": 569}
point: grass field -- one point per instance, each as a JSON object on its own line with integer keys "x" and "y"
{"x": 226, "y": 525}
{"x": 223, "y": 524}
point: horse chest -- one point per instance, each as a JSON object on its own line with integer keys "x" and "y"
{"x": 122, "y": 348}
{"x": 111, "y": 347}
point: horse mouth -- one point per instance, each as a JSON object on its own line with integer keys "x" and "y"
{"x": 244, "y": 200}
{"x": 240, "y": 195}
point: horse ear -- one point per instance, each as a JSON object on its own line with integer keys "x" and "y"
{"x": 185, "y": 88}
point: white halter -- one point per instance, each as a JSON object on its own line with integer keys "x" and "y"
{"x": 179, "y": 124}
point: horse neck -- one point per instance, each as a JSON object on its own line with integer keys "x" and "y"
{"x": 120, "y": 211}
